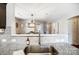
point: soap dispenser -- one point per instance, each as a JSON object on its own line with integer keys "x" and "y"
{"x": 28, "y": 41}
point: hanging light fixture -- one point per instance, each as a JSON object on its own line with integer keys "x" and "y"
{"x": 32, "y": 23}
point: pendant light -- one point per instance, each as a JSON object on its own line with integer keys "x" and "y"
{"x": 31, "y": 24}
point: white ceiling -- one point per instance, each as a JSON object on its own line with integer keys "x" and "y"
{"x": 46, "y": 11}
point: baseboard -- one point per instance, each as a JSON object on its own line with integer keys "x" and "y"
{"x": 77, "y": 46}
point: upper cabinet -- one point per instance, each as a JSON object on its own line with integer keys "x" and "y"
{"x": 2, "y": 15}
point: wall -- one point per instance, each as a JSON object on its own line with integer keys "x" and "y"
{"x": 9, "y": 13}
{"x": 63, "y": 26}
{"x": 70, "y": 30}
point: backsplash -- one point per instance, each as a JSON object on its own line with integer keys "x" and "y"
{"x": 8, "y": 44}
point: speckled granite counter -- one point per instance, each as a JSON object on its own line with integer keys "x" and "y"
{"x": 63, "y": 49}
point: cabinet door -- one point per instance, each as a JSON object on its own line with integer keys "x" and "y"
{"x": 2, "y": 15}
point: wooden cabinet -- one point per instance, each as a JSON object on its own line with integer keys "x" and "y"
{"x": 75, "y": 30}
{"x": 2, "y": 15}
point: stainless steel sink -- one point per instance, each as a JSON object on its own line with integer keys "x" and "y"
{"x": 38, "y": 49}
